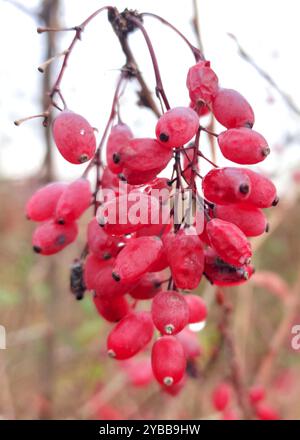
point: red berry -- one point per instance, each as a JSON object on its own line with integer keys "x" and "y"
{"x": 74, "y": 201}
{"x": 50, "y": 237}
{"x": 170, "y": 312}
{"x": 130, "y": 335}
{"x": 161, "y": 263}
{"x": 41, "y": 205}
{"x": 256, "y": 394}
{"x": 144, "y": 155}
{"x": 136, "y": 258}
{"x": 263, "y": 191}
{"x": 148, "y": 286}
{"x": 185, "y": 256}
{"x": 74, "y": 137}
{"x": 97, "y": 276}
{"x": 159, "y": 188}
{"x": 190, "y": 343}
{"x": 232, "y": 110}
{"x": 99, "y": 243}
{"x": 251, "y": 220}
{"x": 202, "y": 82}
{"x": 229, "y": 242}
{"x": 223, "y": 274}
{"x": 117, "y": 142}
{"x": 134, "y": 177}
{"x": 92, "y": 267}
{"x": 174, "y": 390}
{"x": 177, "y": 126}
{"x": 109, "y": 180}
{"x": 168, "y": 360}
{"x": 197, "y": 308}
{"x": 221, "y": 396}
{"x": 243, "y": 145}
{"x": 111, "y": 309}
{"x": 127, "y": 213}
{"x": 265, "y": 412}
{"x": 226, "y": 185}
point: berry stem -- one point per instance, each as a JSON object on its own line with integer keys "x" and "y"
{"x": 159, "y": 85}
{"x": 196, "y": 52}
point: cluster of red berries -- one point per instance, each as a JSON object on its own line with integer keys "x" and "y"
{"x": 158, "y": 261}
{"x": 222, "y": 400}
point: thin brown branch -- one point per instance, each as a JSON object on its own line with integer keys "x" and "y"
{"x": 196, "y": 25}
{"x": 249, "y": 59}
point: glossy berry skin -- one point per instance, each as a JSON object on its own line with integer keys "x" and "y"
{"x": 74, "y": 137}
{"x": 170, "y": 312}
{"x": 197, "y": 308}
{"x": 265, "y": 412}
{"x": 50, "y": 237}
{"x": 117, "y": 142}
{"x": 190, "y": 343}
{"x": 146, "y": 154}
{"x": 135, "y": 177}
{"x": 251, "y": 220}
{"x": 130, "y": 335}
{"x": 223, "y": 274}
{"x": 117, "y": 216}
{"x": 161, "y": 263}
{"x": 168, "y": 360}
{"x": 202, "y": 82}
{"x": 41, "y": 205}
{"x": 232, "y": 110}
{"x": 148, "y": 286}
{"x": 243, "y": 146}
{"x": 74, "y": 201}
{"x": 97, "y": 276}
{"x": 111, "y": 309}
{"x": 226, "y": 185}
{"x": 221, "y": 396}
{"x": 263, "y": 192}
{"x": 159, "y": 188}
{"x": 177, "y": 126}
{"x": 256, "y": 394}
{"x": 185, "y": 256}
{"x": 92, "y": 267}
{"x": 229, "y": 242}
{"x": 100, "y": 244}
{"x": 136, "y": 258}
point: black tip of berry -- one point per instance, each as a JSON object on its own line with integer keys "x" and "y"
{"x": 61, "y": 221}
{"x": 163, "y": 137}
{"x": 267, "y": 227}
{"x": 266, "y": 151}
{"x": 248, "y": 124}
{"x": 244, "y": 188}
{"x": 106, "y": 256}
{"x": 116, "y": 158}
{"x": 122, "y": 177}
{"x": 275, "y": 201}
{"x": 37, "y": 249}
{"x": 116, "y": 277}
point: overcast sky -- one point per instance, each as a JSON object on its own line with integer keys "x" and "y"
{"x": 268, "y": 30}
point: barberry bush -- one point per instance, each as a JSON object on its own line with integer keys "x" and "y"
{"x": 159, "y": 226}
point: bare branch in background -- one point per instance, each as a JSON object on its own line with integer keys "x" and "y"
{"x": 248, "y": 58}
{"x": 196, "y": 25}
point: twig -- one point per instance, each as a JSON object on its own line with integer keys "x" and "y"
{"x": 196, "y": 26}
{"x": 248, "y": 58}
